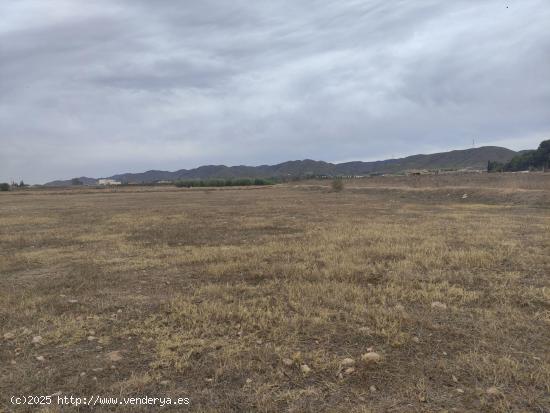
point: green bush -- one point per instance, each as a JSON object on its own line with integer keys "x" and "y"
{"x": 242, "y": 182}
{"x": 494, "y": 166}
{"x": 259, "y": 181}
{"x": 4, "y": 186}
{"x": 199, "y": 183}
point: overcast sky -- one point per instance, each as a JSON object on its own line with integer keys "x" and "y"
{"x": 107, "y": 86}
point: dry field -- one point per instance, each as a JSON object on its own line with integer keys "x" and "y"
{"x": 250, "y": 300}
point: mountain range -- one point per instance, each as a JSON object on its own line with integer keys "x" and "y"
{"x": 474, "y": 159}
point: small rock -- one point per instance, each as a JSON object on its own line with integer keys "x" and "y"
{"x": 348, "y": 362}
{"x": 165, "y": 382}
{"x": 288, "y": 362}
{"x": 92, "y": 338}
{"x": 416, "y": 339}
{"x": 40, "y": 358}
{"x": 97, "y": 369}
{"x": 248, "y": 381}
{"x": 464, "y": 196}
{"x": 460, "y": 391}
{"x": 493, "y": 391}
{"x": 372, "y": 388}
{"x": 36, "y": 339}
{"x": 94, "y": 378}
{"x": 119, "y": 310}
{"x": 73, "y": 301}
{"x": 13, "y": 362}
{"x": 259, "y": 342}
{"x": 350, "y": 370}
{"x": 9, "y": 336}
{"x": 445, "y": 353}
{"x": 364, "y": 330}
{"x": 454, "y": 378}
{"x": 209, "y": 380}
{"x": 369, "y": 349}
{"x": 399, "y": 307}
{"x": 371, "y": 357}
{"x": 305, "y": 369}
{"x": 25, "y": 331}
{"x": 83, "y": 374}
{"x": 114, "y": 356}
{"x": 439, "y": 305}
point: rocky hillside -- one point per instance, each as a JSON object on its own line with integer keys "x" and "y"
{"x": 475, "y": 158}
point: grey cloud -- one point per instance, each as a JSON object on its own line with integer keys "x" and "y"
{"x": 168, "y": 74}
{"x": 112, "y": 86}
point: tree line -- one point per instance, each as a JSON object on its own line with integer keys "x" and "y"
{"x": 531, "y": 160}
{"x": 202, "y": 183}
{"x": 4, "y": 186}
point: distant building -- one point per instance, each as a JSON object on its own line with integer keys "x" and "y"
{"x": 108, "y": 182}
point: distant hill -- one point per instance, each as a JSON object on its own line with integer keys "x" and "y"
{"x": 83, "y": 179}
{"x": 475, "y": 158}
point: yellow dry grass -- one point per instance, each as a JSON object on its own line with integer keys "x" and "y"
{"x": 204, "y": 293}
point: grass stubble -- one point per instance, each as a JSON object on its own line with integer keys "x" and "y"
{"x": 252, "y": 300}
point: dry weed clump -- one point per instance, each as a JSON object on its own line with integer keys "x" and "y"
{"x": 337, "y": 185}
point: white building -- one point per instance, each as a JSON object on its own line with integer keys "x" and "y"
{"x": 108, "y": 182}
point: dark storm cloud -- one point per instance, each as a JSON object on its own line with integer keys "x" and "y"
{"x": 95, "y": 88}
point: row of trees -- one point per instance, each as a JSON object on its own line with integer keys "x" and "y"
{"x": 531, "y": 160}
{"x": 196, "y": 183}
{"x": 4, "y": 186}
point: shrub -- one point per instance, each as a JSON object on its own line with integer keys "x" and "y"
{"x": 4, "y": 186}
{"x": 260, "y": 181}
{"x": 337, "y": 185}
{"x": 242, "y": 182}
{"x": 494, "y": 166}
